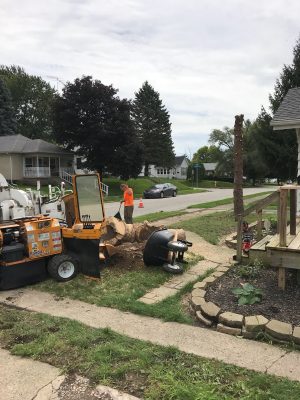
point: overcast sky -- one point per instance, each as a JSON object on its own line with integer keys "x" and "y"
{"x": 209, "y": 60}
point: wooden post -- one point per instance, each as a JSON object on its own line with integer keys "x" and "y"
{"x": 283, "y": 217}
{"x": 239, "y": 238}
{"x": 278, "y": 211}
{"x": 281, "y": 278}
{"x": 259, "y": 224}
{"x": 293, "y": 211}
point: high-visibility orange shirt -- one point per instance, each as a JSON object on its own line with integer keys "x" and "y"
{"x": 128, "y": 197}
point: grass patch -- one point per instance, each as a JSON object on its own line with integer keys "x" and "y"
{"x": 212, "y": 204}
{"x": 213, "y": 226}
{"x": 122, "y": 288}
{"x": 159, "y": 215}
{"x": 140, "y": 368}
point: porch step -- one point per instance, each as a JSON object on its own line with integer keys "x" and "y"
{"x": 258, "y": 251}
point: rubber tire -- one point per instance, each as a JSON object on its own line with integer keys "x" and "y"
{"x": 174, "y": 193}
{"x": 162, "y": 195}
{"x": 173, "y": 271}
{"x": 54, "y": 264}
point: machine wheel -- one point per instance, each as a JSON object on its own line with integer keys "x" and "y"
{"x": 162, "y": 195}
{"x": 62, "y": 267}
{"x": 174, "y": 269}
{"x": 174, "y": 193}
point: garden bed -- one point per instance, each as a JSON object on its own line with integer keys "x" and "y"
{"x": 275, "y": 304}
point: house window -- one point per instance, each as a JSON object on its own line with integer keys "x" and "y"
{"x": 78, "y": 163}
{"x": 165, "y": 171}
{"x": 43, "y": 161}
{"x": 28, "y": 162}
{"x": 183, "y": 171}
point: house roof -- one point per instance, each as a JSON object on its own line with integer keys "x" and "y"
{"x": 179, "y": 160}
{"x": 24, "y": 145}
{"x": 210, "y": 166}
{"x": 288, "y": 114}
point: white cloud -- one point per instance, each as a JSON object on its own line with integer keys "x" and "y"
{"x": 208, "y": 59}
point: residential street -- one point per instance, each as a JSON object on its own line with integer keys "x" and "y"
{"x": 180, "y": 202}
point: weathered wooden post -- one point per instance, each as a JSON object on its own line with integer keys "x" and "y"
{"x": 238, "y": 181}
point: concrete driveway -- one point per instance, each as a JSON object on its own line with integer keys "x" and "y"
{"x": 180, "y": 202}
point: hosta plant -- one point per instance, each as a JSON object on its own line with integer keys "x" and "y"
{"x": 247, "y": 294}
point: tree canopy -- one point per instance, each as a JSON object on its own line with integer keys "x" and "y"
{"x": 32, "y": 99}
{"x": 207, "y": 154}
{"x": 7, "y": 118}
{"x": 153, "y": 127}
{"x": 90, "y": 118}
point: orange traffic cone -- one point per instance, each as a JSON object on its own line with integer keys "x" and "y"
{"x": 141, "y": 204}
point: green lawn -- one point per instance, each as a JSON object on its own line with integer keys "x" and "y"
{"x": 143, "y": 369}
{"x": 213, "y": 226}
{"x": 216, "y": 203}
{"x": 121, "y": 289}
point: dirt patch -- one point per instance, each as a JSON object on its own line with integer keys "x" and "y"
{"x": 129, "y": 257}
{"x": 276, "y": 304}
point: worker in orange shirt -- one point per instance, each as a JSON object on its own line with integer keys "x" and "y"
{"x": 128, "y": 203}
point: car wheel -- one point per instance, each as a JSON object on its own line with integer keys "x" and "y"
{"x": 161, "y": 195}
{"x": 62, "y": 267}
{"x": 174, "y": 193}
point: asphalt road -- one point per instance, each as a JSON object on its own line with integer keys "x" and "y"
{"x": 179, "y": 202}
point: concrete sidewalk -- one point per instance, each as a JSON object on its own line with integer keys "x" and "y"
{"x": 26, "y": 379}
{"x": 199, "y": 341}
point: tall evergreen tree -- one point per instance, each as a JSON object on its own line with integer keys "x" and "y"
{"x": 289, "y": 78}
{"x": 7, "y": 117}
{"x": 153, "y": 127}
{"x": 32, "y": 99}
{"x": 90, "y": 118}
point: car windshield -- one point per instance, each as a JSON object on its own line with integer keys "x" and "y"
{"x": 159, "y": 186}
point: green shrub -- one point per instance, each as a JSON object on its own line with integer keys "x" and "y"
{"x": 250, "y": 271}
{"x": 247, "y": 294}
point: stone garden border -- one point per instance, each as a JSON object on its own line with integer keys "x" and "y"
{"x": 231, "y": 323}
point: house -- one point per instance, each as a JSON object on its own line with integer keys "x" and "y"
{"x": 179, "y": 171}
{"x": 210, "y": 168}
{"x": 24, "y": 159}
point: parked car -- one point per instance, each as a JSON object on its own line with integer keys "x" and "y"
{"x": 160, "y": 190}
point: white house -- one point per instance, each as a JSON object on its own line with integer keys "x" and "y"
{"x": 179, "y": 171}
{"x": 210, "y": 168}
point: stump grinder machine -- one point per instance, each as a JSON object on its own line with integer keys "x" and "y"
{"x": 31, "y": 247}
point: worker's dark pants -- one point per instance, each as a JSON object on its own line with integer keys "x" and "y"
{"x": 128, "y": 211}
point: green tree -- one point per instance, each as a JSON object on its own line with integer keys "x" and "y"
{"x": 223, "y": 140}
{"x": 90, "y": 118}
{"x": 7, "y": 118}
{"x": 206, "y": 154}
{"x": 32, "y": 100}
{"x": 289, "y": 78}
{"x": 153, "y": 127}
{"x": 271, "y": 154}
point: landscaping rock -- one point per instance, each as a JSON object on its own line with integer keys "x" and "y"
{"x": 209, "y": 279}
{"x": 203, "y": 320}
{"x": 279, "y": 330}
{"x": 222, "y": 269}
{"x": 255, "y": 323}
{"x": 210, "y": 310}
{"x": 198, "y": 293}
{"x": 231, "y": 319}
{"x": 197, "y": 302}
{"x": 218, "y": 274}
{"x": 200, "y": 285}
{"x": 296, "y": 335}
{"x": 249, "y": 335}
{"x": 229, "y": 330}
